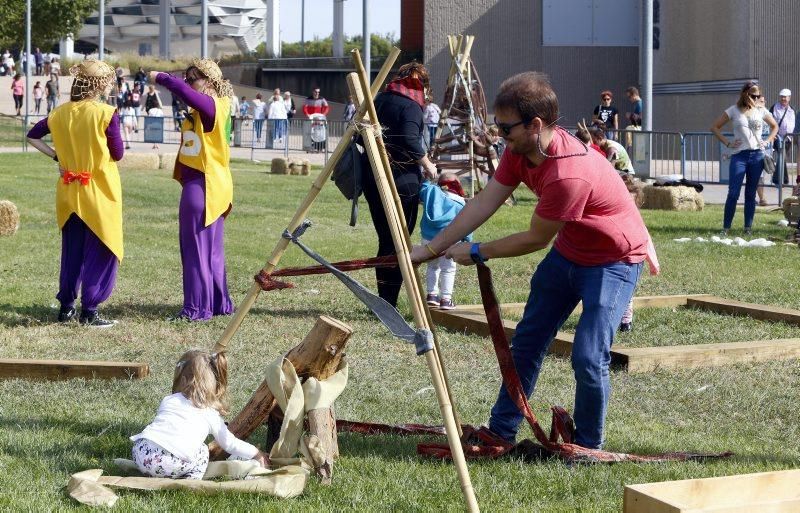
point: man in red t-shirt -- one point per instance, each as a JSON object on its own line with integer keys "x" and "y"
{"x": 600, "y": 244}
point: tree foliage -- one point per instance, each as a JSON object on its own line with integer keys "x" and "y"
{"x": 380, "y": 46}
{"x": 50, "y": 20}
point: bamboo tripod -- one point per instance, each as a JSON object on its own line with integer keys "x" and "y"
{"x": 383, "y": 177}
{"x": 459, "y": 78}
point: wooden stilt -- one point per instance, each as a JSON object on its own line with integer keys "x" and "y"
{"x": 318, "y": 356}
{"x": 381, "y": 170}
{"x": 247, "y": 303}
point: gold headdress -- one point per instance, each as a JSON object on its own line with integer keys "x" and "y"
{"x": 211, "y": 70}
{"x": 91, "y": 78}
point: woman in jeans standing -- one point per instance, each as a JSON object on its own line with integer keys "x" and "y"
{"x": 747, "y": 157}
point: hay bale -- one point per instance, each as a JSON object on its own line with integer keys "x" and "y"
{"x": 305, "y": 170}
{"x": 139, "y": 161}
{"x": 167, "y": 160}
{"x": 295, "y": 166}
{"x": 9, "y": 218}
{"x": 672, "y": 198}
{"x": 791, "y": 209}
{"x": 280, "y": 166}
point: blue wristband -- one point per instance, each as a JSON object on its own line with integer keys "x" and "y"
{"x": 475, "y": 253}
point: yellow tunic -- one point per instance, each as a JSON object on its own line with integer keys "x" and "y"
{"x": 79, "y": 137}
{"x": 209, "y": 153}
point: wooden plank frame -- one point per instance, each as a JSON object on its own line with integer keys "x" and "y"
{"x": 773, "y": 492}
{"x": 471, "y": 319}
{"x": 56, "y": 370}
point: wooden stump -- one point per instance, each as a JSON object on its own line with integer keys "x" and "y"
{"x": 317, "y": 356}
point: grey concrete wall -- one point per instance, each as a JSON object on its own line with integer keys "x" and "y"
{"x": 776, "y": 46}
{"x": 508, "y": 40}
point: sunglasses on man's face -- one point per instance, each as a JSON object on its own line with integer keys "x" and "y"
{"x": 606, "y": 99}
{"x": 506, "y": 128}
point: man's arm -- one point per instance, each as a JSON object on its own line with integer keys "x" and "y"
{"x": 539, "y": 235}
{"x": 475, "y": 213}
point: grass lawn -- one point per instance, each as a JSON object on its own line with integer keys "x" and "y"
{"x": 50, "y": 430}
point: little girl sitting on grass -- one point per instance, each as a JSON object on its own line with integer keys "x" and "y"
{"x": 440, "y": 204}
{"x": 173, "y": 445}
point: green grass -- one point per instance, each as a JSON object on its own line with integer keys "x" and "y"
{"x": 50, "y": 430}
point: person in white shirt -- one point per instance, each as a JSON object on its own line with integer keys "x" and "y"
{"x": 747, "y": 157}
{"x": 259, "y": 114}
{"x": 785, "y": 116}
{"x": 173, "y": 445}
{"x": 278, "y": 116}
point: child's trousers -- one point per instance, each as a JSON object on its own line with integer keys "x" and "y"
{"x": 441, "y": 275}
{"x": 155, "y": 461}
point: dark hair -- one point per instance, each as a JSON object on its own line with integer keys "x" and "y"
{"x": 597, "y": 131}
{"x": 583, "y": 135}
{"x": 258, "y": 96}
{"x": 745, "y": 102}
{"x": 529, "y": 94}
{"x": 417, "y": 70}
{"x": 632, "y": 91}
{"x": 193, "y": 73}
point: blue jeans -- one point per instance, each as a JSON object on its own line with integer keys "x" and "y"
{"x": 556, "y": 288}
{"x": 748, "y": 163}
{"x": 257, "y": 125}
{"x": 279, "y": 128}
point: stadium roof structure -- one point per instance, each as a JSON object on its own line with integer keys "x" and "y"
{"x": 132, "y": 21}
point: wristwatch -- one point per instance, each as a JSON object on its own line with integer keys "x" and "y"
{"x": 475, "y": 253}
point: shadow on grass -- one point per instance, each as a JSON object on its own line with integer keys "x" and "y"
{"x": 15, "y": 315}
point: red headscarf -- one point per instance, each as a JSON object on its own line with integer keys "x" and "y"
{"x": 452, "y": 185}
{"x": 410, "y": 87}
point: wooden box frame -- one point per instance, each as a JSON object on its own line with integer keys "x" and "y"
{"x": 765, "y": 492}
{"x": 471, "y": 319}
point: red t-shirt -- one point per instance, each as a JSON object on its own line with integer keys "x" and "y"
{"x": 603, "y": 224}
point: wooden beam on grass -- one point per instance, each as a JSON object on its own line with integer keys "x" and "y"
{"x": 753, "y": 310}
{"x": 671, "y": 301}
{"x": 642, "y": 359}
{"x": 56, "y": 370}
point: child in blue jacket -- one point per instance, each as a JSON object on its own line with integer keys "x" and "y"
{"x": 440, "y": 204}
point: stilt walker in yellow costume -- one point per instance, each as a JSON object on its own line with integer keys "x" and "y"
{"x": 203, "y": 169}
{"x": 87, "y": 143}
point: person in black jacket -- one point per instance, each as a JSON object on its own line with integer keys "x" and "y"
{"x": 399, "y": 110}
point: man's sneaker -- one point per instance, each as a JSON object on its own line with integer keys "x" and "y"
{"x": 432, "y": 299}
{"x": 66, "y": 314}
{"x": 625, "y": 327}
{"x": 93, "y": 320}
{"x": 748, "y": 232}
{"x": 446, "y": 304}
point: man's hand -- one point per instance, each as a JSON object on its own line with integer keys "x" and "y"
{"x": 420, "y": 254}
{"x": 430, "y": 171}
{"x": 151, "y": 77}
{"x": 460, "y": 253}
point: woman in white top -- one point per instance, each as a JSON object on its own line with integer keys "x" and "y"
{"x": 259, "y": 113}
{"x": 128, "y": 115}
{"x": 747, "y": 157}
{"x": 278, "y": 115}
{"x": 174, "y": 444}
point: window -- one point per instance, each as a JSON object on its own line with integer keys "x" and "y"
{"x": 591, "y": 22}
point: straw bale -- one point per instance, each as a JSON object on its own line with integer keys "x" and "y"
{"x": 791, "y": 209}
{"x": 139, "y": 161}
{"x": 167, "y": 160}
{"x": 9, "y": 218}
{"x": 305, "y": 170}
{"x": 280, "y": 166}
{"x": 672, "y": 198}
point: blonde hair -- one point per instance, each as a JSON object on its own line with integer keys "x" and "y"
{"x": 202, "y": 378}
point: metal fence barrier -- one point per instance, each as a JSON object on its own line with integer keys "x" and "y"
{"x": 697, "y": 156}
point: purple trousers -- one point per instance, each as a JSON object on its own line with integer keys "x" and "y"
{"x": 205, "y": 286}
{"x": 86, "y": 263}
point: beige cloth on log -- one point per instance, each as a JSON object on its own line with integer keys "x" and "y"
{"x": 289, "y": 480}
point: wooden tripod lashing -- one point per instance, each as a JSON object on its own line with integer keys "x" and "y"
{"x": 381, "y": 170}
{"x": 317, "y": 356}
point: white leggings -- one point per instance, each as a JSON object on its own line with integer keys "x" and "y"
{"x": 441, "y": 275}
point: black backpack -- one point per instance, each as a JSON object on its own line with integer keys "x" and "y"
{"x": 347, "y": 176}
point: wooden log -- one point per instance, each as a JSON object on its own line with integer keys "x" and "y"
{"x": 56, "y": 370}
{"x": 756, "y": 311}
{"x": 318, "y": 356}
{"x": 321, "y": 422}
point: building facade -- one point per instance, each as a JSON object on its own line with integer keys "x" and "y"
{"x": 704, "y": 50}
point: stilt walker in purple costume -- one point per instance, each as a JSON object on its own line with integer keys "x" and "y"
{"x": 87, "y": 144}
{"x": 203, "y": 170}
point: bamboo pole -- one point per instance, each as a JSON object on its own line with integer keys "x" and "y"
{"x": 301, "y": 213}
{"x": 379, "y": 161}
